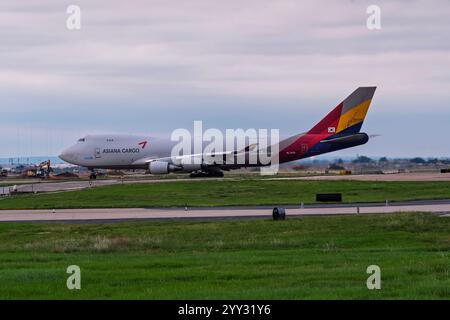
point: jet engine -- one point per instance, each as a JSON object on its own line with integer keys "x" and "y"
{"x": 162, "y": 167}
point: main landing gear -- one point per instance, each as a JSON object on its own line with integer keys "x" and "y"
{"x": 207, "y": 174}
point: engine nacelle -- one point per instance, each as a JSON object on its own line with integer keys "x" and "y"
{"x": 161, "y": 167}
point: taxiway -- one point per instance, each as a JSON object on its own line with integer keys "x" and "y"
{"x": 124, "y": 214}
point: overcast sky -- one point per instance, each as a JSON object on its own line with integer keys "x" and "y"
{"x": 154, "y": 66}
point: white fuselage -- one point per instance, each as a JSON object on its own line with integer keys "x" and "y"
{"x": 116, "y": 151}
{"x": 140, "y": 152}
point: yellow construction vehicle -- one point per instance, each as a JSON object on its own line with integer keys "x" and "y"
{"x": 44, "y": 169}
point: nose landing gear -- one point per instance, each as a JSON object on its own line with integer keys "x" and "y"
{"x": 93, "y": 175}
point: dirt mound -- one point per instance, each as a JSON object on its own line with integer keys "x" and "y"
{"x": 66, "y": 175}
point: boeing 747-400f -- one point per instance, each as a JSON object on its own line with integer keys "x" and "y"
{"x": 340, "y": 129}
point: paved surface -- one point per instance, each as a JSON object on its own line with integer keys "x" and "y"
{"x": 63, "y": 186}
{"x": 77, "y": 185}
{"x": 148, "y": 214}
{"x": 429, "y": 176}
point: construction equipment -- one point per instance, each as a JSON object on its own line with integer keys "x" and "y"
{"x": 44, "y": 169}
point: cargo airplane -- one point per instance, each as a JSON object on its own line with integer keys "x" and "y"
{"x": 340, "y": 129}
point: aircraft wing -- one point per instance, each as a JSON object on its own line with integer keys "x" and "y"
{"x": 188, "y": 157}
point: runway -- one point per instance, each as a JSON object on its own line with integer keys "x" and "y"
{"x": 120, "y": 214}
{"x": 56, "y": 186}
{"x": 416, "y": 176}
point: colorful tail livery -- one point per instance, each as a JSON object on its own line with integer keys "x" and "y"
{"x": 340, "y": 129}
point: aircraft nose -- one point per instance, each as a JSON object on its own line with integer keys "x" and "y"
{"x": 63, "y": 156}
{"x": 66, "y": 155}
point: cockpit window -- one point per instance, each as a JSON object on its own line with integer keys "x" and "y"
{"x": 82, "y": 140}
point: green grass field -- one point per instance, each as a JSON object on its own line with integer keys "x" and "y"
{"x": 226, "y": 193}
{"x": 300, "y": 258}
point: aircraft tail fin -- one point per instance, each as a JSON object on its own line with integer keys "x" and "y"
{"x": 348, "y": 116}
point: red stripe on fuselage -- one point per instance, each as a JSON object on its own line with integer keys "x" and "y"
{"x": 300, "y": 147}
